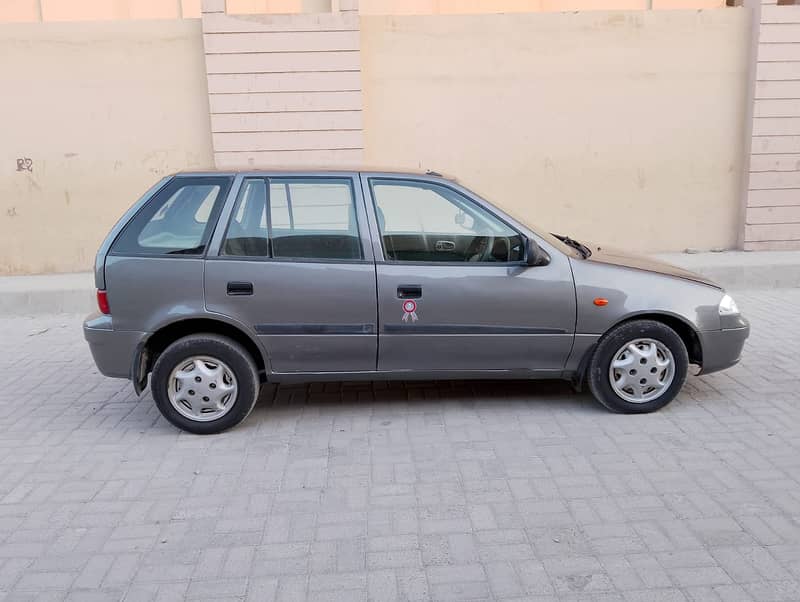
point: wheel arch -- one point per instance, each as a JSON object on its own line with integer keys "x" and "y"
{"x": 680, "y": 325}
{"x": 150, "y": 348}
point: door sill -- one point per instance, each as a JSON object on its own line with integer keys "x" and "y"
{"x": 378, "y": 375}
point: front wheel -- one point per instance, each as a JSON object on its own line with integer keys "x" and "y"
{"x": 205, "y": 383}
{"x": 638, "y": 367}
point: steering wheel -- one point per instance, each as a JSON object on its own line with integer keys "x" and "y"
{"x": 505, "y": 250}
{"x": 480, "y": 249}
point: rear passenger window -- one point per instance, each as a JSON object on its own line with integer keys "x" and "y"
{"x": 177, "y": 221}
{"x": 292, "y": 218}
{"x": 313, "y": 219}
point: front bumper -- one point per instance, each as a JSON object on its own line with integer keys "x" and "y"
{"x": 723, "y": 348}
{"x": 113, "y": 350}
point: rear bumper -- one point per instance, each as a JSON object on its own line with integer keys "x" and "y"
{"x": 113, "y": 350}
{"x": 723, "y": 348}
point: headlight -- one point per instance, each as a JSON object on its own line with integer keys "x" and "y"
{"x": 728, "y": 307}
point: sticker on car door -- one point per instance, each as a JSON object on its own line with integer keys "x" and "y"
{"x": 410, "y": 311}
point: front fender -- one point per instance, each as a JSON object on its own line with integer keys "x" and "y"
{"x": 631, "y": 292}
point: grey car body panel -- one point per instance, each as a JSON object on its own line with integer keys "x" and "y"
{"x": 632, "y": 291}
{"x": 477, "y": 317}
{"x": 148, "y": 293}
{"x": 309, "y": 316}
{"x": 111, "y": 349}
{"x": 616, "y": 257}
{"x": 323, "y": 320}
{"x": 722, "y": 348}
{"x": 140, "y": 305}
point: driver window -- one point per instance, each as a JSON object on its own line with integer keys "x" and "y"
{"x": 420, "y": 221}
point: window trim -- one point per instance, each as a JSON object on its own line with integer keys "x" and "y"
{"x": 239, "y": 193}
{"x": 385, "y": 260}
{"x": 225, "y": 182}
{"x": 286, "y": 180}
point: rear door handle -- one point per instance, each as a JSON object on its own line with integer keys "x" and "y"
{"x": 409, "y": 291}
{"x": 240, "y": 289}
{"x": 445, "y": 245}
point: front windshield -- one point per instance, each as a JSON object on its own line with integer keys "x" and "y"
{"x": 541, "y": 232}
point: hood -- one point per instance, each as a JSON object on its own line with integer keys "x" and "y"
{"x": 611, "y": 256}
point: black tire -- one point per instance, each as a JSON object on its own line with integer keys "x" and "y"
{"x": 612, "y": 342}
{"x": 238, "y": 360}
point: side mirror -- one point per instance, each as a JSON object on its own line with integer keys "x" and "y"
{"x": 465, "y": 221}
{"x": 534, "y": 255}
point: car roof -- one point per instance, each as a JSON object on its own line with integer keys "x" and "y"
{"x": 295, "y": 169}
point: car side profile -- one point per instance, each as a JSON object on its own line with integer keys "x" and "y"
{"x": 215, "y": 283}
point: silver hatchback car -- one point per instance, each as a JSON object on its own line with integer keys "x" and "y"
{"x": 214, "y": 283}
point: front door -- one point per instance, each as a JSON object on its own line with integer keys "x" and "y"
{"x": 454, "y": 292}
{"x": 295, "y": 265}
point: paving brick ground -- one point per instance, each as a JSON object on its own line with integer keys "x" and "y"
{"x": 454, "y": 491}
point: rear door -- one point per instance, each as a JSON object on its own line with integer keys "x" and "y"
{"x": 454, "y": 292}
{"x": 293, "y": 261}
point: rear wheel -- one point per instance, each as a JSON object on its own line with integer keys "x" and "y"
{"x": 205, "y": 383}
{"x": 638, "y": 367}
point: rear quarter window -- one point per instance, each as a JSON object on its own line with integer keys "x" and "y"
{"x": 178, "y": 220}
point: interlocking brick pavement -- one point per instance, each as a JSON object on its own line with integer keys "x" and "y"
{"x": 422, "y": 491}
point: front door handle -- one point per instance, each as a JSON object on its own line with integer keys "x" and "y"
{"x": 409, "y": 291}
{"x": 240, "y": 289}
{"x": 445, "y": 245}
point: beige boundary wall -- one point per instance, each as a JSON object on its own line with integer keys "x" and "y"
{"x": 88, "y": 10}
{"x": 101, "y": 110}
{"x": 23, "y": 11}
{"x": 625, "y": 128}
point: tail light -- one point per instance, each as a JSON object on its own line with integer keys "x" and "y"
{"x": 102, "y": 302}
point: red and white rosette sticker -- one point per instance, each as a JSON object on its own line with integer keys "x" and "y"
{"x": 410, "y": 310}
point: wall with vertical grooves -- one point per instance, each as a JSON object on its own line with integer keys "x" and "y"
{"x": 284, "y": 89}
{"x": 772, "y": 219}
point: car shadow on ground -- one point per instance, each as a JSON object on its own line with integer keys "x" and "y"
{"x": 559, "y": 394}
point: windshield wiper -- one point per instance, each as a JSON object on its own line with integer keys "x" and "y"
{"x": 580, "y": 247}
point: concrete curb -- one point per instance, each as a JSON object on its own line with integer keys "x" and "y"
{"x": 47, "y": 294}
{"x": 74, "y": 293}
{"x": 742, "y": 269}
